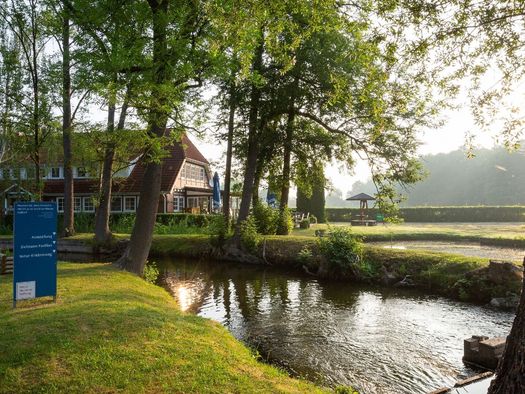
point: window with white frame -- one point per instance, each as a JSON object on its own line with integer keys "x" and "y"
{"x": 54, "y": 172}
{"x": 130, "y": 204}
{"x": 23, "y": 173}
{"x": 77, "y": 204}
{"x": 116, "y": 204}
{"x": 60, "y": 204}
{"x": 89, "y": 205}
{"x": 82, "y": 172}
{"x": 178, "y": 203}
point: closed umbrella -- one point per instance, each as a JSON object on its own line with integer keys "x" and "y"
{"x": 216, "y": 192}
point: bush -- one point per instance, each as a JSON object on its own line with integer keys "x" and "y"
{"x": 285, "y": 222}
{"x": 250, "y": 239}
{"x": 218, "y": 230}
{"x": 342, "y": 250}
{"x": 305, "y": 223}
{"x": 265, "y": 219}
{"x": 151, "y": 272}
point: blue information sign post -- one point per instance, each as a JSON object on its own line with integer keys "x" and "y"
{"x": 35, "y": 250}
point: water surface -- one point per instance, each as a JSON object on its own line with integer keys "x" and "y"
{"x": 336, "y": 333}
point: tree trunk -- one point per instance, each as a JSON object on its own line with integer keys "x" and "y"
{"x": 229, "y": 153}
{"x": 251, "y": 159}
{"x": 69, "y": 215}
{"x": 282, "y": 228}
{"x": 102, "y": 230}
{"x": 135, "y": 255}
{"x": 510, "y": 375}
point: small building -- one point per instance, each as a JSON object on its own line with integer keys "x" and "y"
{"x": 185, "y": 184}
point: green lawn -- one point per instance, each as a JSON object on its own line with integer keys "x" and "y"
{"x": 433, "y": 231}
{"x": 112, "y": 332}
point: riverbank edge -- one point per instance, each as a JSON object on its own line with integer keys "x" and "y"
{"x": 453, "y": 276}
{"x": 111, "y": 330}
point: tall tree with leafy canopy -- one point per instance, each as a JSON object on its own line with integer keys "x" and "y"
{"x": 174, "y": 65}
{"x": 25, "y": 21}
{"x": 111, "y": 43}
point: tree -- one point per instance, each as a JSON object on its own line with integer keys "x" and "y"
{"x": 25, "y": 21}
{"x": 175, "y": 67}
{"x": 112, "y": 42}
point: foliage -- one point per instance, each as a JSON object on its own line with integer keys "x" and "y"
{"x": 305, "y": 223}
{"x": 311, "y": 190}
{"x": 250, "y": 238}
{"x": 305, "y": 256}
{"x": 151, "y": 272}
{"x": 266, "y": 218}
{"x": 439, "y": 214}
{"x": 219, "y": 231}
{"x": 285, "y": 221}
{"x": 342, "y": 249}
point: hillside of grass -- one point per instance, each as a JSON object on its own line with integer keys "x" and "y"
{"x": 110, "y": 331}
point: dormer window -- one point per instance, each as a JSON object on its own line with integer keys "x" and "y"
{"x": 54, "y": 173}
{"x": 82, "y": 172}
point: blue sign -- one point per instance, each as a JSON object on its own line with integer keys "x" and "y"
{"x": 35, "y": 250}
{"x": 271, "y": 199}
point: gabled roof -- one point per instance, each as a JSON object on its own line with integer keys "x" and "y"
{"x": 171, "y": 166}
{"x": 360, "y": 197}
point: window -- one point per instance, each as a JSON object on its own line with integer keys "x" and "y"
{"x": 130, "y": 204}
{"x": 1, "y": 173}
{"x": 77, "y": 204}
{"x": 89, "y": 206}
{"x": 81, "y": 172}
{"x": 116, "y": 204}
{"x": 202, "y": 174}
{"x": 23, "y": 173}
{"x": 178, "y": 203}
{"x": 60, "y": 204}
{"x": 54, "y": 172}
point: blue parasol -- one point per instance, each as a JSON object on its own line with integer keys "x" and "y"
{"x": 216, "y": 192}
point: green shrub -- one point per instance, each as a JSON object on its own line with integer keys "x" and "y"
{"x": 305, "y": 255}
{"x": 285, "y": 222}
{"x": 218, "y": 230}
{"x": 265, "y": 219}
{"x": 342, "y": 250}
{"x": 151, "y": 272}
{"x": 250, "y": 239}
{"x": 305, "y": 223}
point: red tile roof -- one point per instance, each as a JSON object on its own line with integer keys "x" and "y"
{"x": 171, "y": 166}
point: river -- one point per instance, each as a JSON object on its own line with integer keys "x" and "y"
{"x": 336, "y": 333}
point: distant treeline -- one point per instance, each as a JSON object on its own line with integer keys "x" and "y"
{"x": 439, "y": 214}
{"x": 492, "y": 177}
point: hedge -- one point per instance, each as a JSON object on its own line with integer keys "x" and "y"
{"x": 85, "y": 222}
{"x": 439, "y": 214}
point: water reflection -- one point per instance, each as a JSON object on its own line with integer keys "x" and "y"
{"x": 382, "y": 341}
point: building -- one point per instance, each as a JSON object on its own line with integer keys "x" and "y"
{"x": 185, "y": 184}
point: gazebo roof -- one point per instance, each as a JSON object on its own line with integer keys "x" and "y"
{"x": 361, "y": 197}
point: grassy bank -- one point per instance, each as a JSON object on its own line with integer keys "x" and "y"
{"x": 112, "y": 332}
{"x": 454, "y": 276}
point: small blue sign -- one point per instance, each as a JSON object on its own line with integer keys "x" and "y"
{"x": 35, "y": 250}
{"x": 271, "y": 199}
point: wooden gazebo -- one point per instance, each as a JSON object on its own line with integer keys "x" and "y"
{"x": 362, "y": 218}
